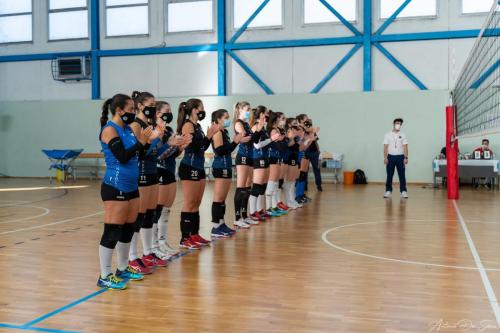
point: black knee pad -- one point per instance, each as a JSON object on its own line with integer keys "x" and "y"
{"x": 127, "y": 232}
{"x": 149, "y": 219}
{"x": 111, "y": 235}
{"x": 280, "y": 183}
{"x": 263, "y": 189}
{"x": 158, "y": 210}
{"x": 138, "y": 222}
{"x": 256, "y": 189}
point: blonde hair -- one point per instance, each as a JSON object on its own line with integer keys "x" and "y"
{"x": 237, "y": 109}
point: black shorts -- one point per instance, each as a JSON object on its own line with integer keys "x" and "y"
{"x": 222, "y": 173}
{"x": 275, "y": 160}
{"x": 260, "y": 163}
{"x": 243, "y": 160}
{"x": 148, "y": 180}
{"x": 187, "y": 172}
{"x": 109, "y": 193}
{"x": 165, "y": 177}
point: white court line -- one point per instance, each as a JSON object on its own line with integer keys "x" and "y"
{"x": 45, "y": 212}
{"x": 484, "y": 276}
{"x": 49, "y": 224}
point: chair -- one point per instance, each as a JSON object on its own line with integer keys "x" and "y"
{"x": 62, "y": 159}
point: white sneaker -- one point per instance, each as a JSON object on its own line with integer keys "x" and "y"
{"x": 250, "y": 222}
{"x": 298, "y": 204}
{"x": 168, "y": 250}
{"x": 160, "y": 254}
{"x": 387, "y": 194}
{"x": 241, "y": 224}
{"x": 404, "y": 195}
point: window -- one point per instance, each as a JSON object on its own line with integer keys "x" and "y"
{"x": 190, "y": 16}
{"x": 127, "y": 17}
{"x": 68, "y": 19}
{"x": 16, "y": 21}
{"x": 271, "y": 15}
{"x": 414, "y": 9}
{"x": 316, "y": 12}
{"x": 476, "y": 6}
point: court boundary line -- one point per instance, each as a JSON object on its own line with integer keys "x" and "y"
{"x": 482, "y": 272}
{"x": 45, "y": 209}
{"x": 34, "y": 329}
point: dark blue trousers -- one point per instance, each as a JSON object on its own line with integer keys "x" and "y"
{"x": 396, "y": 162}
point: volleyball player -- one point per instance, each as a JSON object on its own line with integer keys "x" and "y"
{"x": 284, "y": 153}
{"x": 119, "y": 190}
{"x": 244, "y": 166}
{"x": 294, "y": 134}
{"x": 192, "y": 170}
{"x": 304, "y": 161}
{"x": 222, "y": 169}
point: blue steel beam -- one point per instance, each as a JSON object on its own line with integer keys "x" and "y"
{"x": 367, "y": 45}
{"x": 485, "y": 75}
{"x": 221, "y": 50}
{"x": 247, "y": 23}
{"x": 158, "y": 50}
{"x": 41, "y": 56}
{"x": 432, "y": 35}
{"x": 95, "y": 46}
{"x": 335, "y": 69}
{"x": 400, "y": 66}
{"x": 250, "y": 73}
{"x": 295, "y": 43}
{"x": 347, "y": 24}
{"x": 392, "y": 17}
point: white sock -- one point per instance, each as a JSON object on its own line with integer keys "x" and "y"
{"x": 276, "y": 194}
{"x": 292, "y": 192}
{"x": 286, "y": 191}
{"x": 252, "y": 201}
{"x": 147, "y": 240}
{"x": 269, "y": 194}
{"x": 122, "y": 252}
{"x": 133, "y": 247}
{"x": 162, "y": 225}
{"x": 154, "y": 239}
{"x": 261, "y": 202}
{"x": 105, "y": 260}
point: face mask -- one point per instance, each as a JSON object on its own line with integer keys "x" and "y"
{"x": 201, "y": 115}
{"x": 149, "y": 112}
{"x": 247, "y": 116}
{"x": 227, "y": 123}
{"x": 307, "y": 123}
{"x": 397, "y": 127}
{"x": 167, "y": 117}
{"x": 128, "y": 118}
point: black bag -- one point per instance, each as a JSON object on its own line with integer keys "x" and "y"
{"x": 359, "y": 177}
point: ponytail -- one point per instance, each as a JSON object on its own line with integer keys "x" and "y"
{"x": 105, "y": 111}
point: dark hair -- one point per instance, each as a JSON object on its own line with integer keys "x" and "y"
{"x": 256, "y": 114}
{"x": 301, "y": 117}
{"x": 273, "y": 119}
{"x": 160, "y": 105}
{"x": 216, "y": 115}
{"x": 185, "y": 109}
{"x": 488, "y": 141}
{"x": 398, "y": 120}
{"x": 289, "y": 122}
{"x": 141, "y": 97}
{"x": 111, "y": 104}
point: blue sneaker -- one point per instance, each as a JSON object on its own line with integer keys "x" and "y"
{"x": 272, "y": 213}
{"x": 280, "y": 211}
{"x": 111, "y": 282}
{"x": 228, "y": 230}
{"x": 219, "y": 232}
{"x": 129, "y": 274}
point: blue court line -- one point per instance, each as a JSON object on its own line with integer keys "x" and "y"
{"x": 35, "y": 329}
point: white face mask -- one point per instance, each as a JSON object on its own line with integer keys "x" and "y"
{"x": 397, "y": 127}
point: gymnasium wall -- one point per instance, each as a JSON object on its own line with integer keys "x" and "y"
{"x": 351, "y": 123}
{"x": 285, "y": 71}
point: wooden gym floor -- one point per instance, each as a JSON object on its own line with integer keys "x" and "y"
{"x": 348, "y": 262}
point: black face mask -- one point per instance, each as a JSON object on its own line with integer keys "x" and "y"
{"x": 149, "y": 112}
{"x": 308, "y": 123}
{"x": 128, "y": 118}
{"x": 167, "y": 117}
{"x": 201, "y": 115}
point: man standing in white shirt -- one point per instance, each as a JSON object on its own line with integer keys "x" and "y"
{"x": 396, "y": 157}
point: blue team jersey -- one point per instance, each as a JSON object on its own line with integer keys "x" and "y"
{"x": 245, "y": 149}
{"x": 169, "y": 162}
{"x": 148, "y": 160}
{"x": 122, "y": 176}
{"x": 262, "y": 153}
{"x": 195, "y": 157}
{"x": 223, "y": 161}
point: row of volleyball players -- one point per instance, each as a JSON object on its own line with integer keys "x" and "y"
{"x": 139, "y": 184}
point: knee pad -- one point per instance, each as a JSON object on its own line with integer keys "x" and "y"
{"x": 127, "y": 233}
{"x": 138, "y": 222}
{"x": 263, "y": 189}
{"x": 280, "y": 183}
{"x": 111, "y": 235}
{"x": 158, "y": 211}
{"x": 149, "y": 219}
{"x": 256, "y": 190}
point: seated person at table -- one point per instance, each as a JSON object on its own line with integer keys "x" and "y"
{"x": 485, "y": 147}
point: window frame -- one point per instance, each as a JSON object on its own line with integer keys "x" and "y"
{"x": 334, "y": 23}
{"x": 105, "y": 19}
{"x": 192, "y": 32}
{"x": 63, "y": 10}
{"x": 267, "y": 27}
{"x": 462, "y": 14}
{"x": 408, "y": 18}
{"x": 32, "y": 26}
